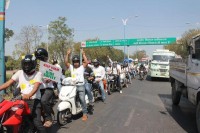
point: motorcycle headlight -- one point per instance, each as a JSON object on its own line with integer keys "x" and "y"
{"x": 63, "y": 97}
{"x": 15, "y": 108}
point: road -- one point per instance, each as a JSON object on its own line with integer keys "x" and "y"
{"x": 143, "y": 107}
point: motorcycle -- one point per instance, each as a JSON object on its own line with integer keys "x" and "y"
{"x": 112, "y": 83}
{"x": 123, "y": 80}
{"x": 12, "y": 113}
{"x": 69, "y": 101}
{"x": 142, "y": 74}
{"x": 96, "y": 90}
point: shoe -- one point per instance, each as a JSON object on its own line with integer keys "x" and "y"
{"x": 84, "y": 118}
{"x": 48, "y": 123}
{"x": 120, "y": 91}
{"x": 104, "y": 101}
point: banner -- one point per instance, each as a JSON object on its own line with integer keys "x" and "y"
{"x": 50, "y": 71}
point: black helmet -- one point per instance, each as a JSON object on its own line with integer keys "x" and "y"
{"x": 28, "y": 64}
{"x": 103, "y": 64}
{"x": 95, "y": 63}
{"x": 41, "y": 54}
{"x": 54, "y": 61}
{"x": 114, "y": 63}
{"x": 75, "y": 58}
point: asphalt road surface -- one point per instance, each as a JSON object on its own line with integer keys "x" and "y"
{"x": 144, "y": 107}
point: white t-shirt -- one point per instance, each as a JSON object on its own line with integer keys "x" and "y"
{"x": 78, "y": 74}
{"x": 26, "y": 83}
{"x": 99, "y": 72}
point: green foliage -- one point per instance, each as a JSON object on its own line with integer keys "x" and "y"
{"x": 180, "y": 47}
{"x": 139, "y": 55}
{"x": 61, "y": 38}
{"x": 8, "y": 34}
{"x": 12, "y": 64}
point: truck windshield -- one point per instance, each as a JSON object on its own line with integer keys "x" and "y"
{"x": 164, "y": 58}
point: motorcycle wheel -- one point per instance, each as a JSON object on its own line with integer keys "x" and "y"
{"x": 62, "y": 117}
{"x": 109, "y": 89}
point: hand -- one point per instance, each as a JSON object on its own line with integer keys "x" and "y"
{"x": 83, "y": 52}
{"x": 25, "y": 96}
{"x": 68, "y": 51}
{"x": 47, "y": 80}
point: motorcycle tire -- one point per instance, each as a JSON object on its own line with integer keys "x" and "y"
{"x": 61, "y": 117}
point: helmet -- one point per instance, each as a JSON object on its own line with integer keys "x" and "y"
{"x": 54, "y": 61}
{"x": 75, "y": 58}
{"x": 95, "y": 63}
{"x": 103, "y": 64}
{"x": 41, "y": 54}
{"x": 114, "y": 63}
{"x": 28, "y": 64}
{"x": 125, "y": 64}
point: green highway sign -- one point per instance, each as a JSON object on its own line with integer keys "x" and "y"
{"x": 129, "y": 42}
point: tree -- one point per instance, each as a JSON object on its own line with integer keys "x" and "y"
{"x": 139, "y": 54}
{"x": 60, "y": 37}
{"x": 100, "y": 53}
{"x": 12, "y": 64}
{"x": 28, "y": 39}
{"x": 180, "y": 47}
{"x": 8, "y": 34}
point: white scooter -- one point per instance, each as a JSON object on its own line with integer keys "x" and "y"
{"x": 69, "y": 102}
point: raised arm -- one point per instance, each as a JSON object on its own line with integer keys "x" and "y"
{"x": 110, "y": 60}
{"x": 67, "y": 64}
{"x": 85, "y": 59}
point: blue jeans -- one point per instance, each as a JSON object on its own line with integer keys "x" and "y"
{"x": 89, "y": 91}
{"x": 103, "y": 95}
{"x": 81, "y": 93}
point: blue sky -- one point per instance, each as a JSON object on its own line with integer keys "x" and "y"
{"x": 92, "y": 18}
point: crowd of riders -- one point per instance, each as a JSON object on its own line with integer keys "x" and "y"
{"x": 38, "y": 91}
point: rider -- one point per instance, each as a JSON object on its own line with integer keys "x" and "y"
{"x": 127, "y": 70}
{"x": 46, "y": 88}
{"x": 89, "y": 78}
{"x": 142, "y": 68}
{"x": 99, "y": 73}
{"x": 116, "y": 70}
{"x": 29, "y": 81}
{"x": 103, "y": 64}
{"x": 77, "y": 73}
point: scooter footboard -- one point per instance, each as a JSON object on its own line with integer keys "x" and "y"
{"x": 64, "y": 105}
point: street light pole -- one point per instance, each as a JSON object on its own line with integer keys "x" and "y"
{"x": 47, "y": 38}
{"x": 47, "y": 28}
{"x": 124, "y": 23}
{"x": 2, "y": 45}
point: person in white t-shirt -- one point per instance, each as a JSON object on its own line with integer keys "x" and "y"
{"x": 99, "y": 73}
{"x": 77, "y": 73}
{"x": 116, "y": 70}
{"x": 29, "y": 81}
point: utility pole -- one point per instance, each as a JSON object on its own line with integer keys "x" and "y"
{"x": 2, "y": 45}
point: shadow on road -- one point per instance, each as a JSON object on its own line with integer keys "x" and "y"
{"x": 148, "y": 78}
{"x": 183, "y": 114}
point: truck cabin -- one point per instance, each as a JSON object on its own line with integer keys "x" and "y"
{"x": 194, "y": 48}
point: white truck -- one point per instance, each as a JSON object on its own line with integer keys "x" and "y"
{"x": 159, "y": 66}
{"x": 185, "y": 77}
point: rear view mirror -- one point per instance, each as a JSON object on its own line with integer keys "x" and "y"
{"x": 190, "y": 49}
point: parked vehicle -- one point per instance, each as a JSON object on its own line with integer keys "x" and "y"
{"x": 185, "y": 77}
